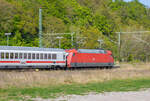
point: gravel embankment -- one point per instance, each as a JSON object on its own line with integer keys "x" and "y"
{"x": 109, "y": 96}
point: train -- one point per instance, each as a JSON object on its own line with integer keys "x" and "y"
{"x": 35, "y": 57}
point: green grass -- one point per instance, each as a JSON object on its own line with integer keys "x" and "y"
{"x": 17, "y": 94}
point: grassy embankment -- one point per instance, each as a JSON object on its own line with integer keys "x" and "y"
{"x": 47, "y": 84}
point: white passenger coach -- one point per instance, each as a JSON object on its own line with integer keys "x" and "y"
{"x": 31, "y": 57}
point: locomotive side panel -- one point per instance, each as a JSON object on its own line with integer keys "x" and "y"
{"x": 90, "y": 59}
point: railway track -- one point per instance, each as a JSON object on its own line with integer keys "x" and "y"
{"x": 55, "y": 69}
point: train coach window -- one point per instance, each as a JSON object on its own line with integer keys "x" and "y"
{"x": 11, "y": 55}
{"x": 2, "y": 55}
{"x": 33, "y": 56}
{"x": 54, "y": 56}
{"x": 16, "y": 55}
{"x": 49, "y": 56}
{"x": 20, "y": 55}
{"x": 7, "y": 55}
{"x": 45, "y": 56}
{"x": 41, "y": 56}
{"x": 64, "y": 57}
{"x": 25, "y": 55}
{"x": 37, "y": 56}
{"x": 29, "y": 55}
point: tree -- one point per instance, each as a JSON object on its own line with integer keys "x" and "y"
{"x": 6, "y": 16}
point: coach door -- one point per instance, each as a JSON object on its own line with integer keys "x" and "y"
{"x": 75, "y": 59}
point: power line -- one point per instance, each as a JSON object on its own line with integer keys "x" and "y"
{"x": 142, "y": 40}
{"x": 134, "y": 32}
{"x": 128, "y": 33}
{"x": 56, "y": 34}
{"x": 119, "y": 38}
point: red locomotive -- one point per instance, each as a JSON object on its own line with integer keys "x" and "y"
{"x": 89, "y": 58}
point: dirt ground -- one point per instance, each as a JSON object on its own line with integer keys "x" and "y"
{"x": 108, "y": 96}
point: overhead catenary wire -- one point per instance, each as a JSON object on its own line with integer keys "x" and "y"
{"x": 134, "y": 32}
{"x": 119, "y": 33}
{"x": 56, "y": 34}
{"x": 119, "y": 38}
{"x": 143, "y": 41}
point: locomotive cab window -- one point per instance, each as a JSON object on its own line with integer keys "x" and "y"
{"x": 73, "y": 54}
{"x": 54, "y": 56}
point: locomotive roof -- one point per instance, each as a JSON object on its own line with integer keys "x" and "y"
{"x": 91, "y": 51}
{"x": 30, "y": 48}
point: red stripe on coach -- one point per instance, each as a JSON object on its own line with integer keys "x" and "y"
{"x": 39, "y": 61}
{"x": 45, "y": 62}
{"x": 9, "y": 61}
{"x": 60, "y": 61}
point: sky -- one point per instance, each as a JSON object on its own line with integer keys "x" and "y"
{"x": 145, "y": 2}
